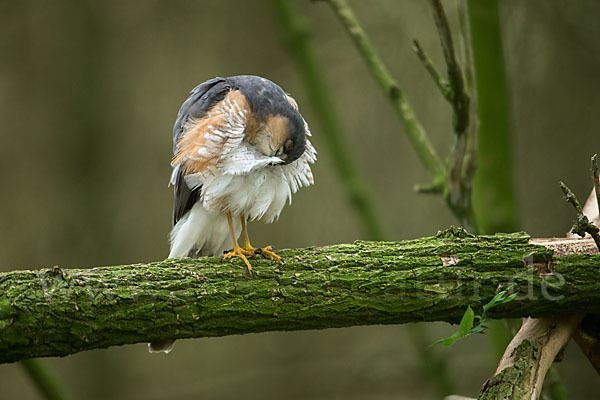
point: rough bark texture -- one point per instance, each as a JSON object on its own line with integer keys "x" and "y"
{"x": 56, "y": 312}
{"x": 522, "y": 369}
{"x": 531, "y": 352}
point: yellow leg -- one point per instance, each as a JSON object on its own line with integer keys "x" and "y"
{"x": 237, "y": 250}
{"x": 253, "y": 251}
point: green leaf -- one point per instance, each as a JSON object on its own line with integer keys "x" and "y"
{"x": 466, "y": 323}
{"x": 478, "y": 329}
{"x": 494, "y": 300}
{"x": 509, "y": 298}
{"x": 449, "y": 341}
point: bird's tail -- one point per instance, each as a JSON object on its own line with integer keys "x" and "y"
{"x": 202, "y": 233}
{"x": 163, "y": 346}
{"x": 198, "y": 233}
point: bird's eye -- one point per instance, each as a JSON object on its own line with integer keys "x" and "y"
{"x": 289, "y": 144}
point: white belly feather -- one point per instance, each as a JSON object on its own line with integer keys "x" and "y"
{"x": 246, "y": 183}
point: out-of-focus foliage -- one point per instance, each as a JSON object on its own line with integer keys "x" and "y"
{"x": 89, "y": 91}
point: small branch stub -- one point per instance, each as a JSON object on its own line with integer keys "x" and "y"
{"x": 596, "y": 178}
{"x": 582, "y": 223}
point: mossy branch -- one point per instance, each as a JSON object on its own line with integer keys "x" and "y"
{"x": 56, "y": 312}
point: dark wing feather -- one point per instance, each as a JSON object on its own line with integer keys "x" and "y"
{"x": 203, "y": 97}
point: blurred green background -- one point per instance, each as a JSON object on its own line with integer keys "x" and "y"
{"x": 89, "y": 91}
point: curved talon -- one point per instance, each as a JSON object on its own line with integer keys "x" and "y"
{"x": 238, "y": 252}
{"x": 259, "y": 252}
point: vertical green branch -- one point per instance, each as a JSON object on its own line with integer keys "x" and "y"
{"x": 494, "y": 197}
{"x": 297, "y": 38}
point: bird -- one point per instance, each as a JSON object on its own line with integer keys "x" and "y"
{"x": 241, "y": 150}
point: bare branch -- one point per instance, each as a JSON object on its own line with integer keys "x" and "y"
{"x": 413, "y": 128}
{"x": 460, "y": 173}
{"x": 470, "y": 162}
{"x": 582, "y": 223}
{"x": 441, "y": 83}
{"x": 460, "y": 99}
{"x": 529, "y": 356}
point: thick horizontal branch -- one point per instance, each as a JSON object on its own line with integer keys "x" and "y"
{"x": 56, "y": 312}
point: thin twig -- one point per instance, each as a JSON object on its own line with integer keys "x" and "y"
{"x": 470, "y": 162}
{"x": 596, "y": 178}
{"x": 465, "y": 46}
{"x": 459, "y": 178}
{"x": 44, "y": 380}
{"x": 332, "y": 132}
{"x": 582, "y": 223}
{"x": 460, "y": 99}
{"x": 413, "y": 128}
{"x": 439, "y": 80}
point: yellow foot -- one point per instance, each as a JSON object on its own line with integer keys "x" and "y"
{"x": 264, "y": 252}
{"x": 238, "y": 252}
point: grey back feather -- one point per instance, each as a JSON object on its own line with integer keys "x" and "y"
{"x": 202, "y": 98}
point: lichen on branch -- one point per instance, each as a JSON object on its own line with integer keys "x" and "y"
{"x": 56, "y": 312}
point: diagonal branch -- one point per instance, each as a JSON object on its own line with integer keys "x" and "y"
{"x": 438, "y": 79}
{"x": 459, "y": 97}
{"x": 582, "y": 223}
{"x": 452, "y": 181}
{"x": 44, "y": 380}
{"x": 459, "y": 178}
{"x": 529, "y": 356}
{"x": 332, "y": 131}
{"x": 413, "y": 128}
{"x": 56, "y": 312}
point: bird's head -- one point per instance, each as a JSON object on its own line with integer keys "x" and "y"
{"x": 281, "y": 136}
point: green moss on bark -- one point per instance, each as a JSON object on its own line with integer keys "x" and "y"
{"x": 56, "y": 312}
{"x": 514, "y": 382}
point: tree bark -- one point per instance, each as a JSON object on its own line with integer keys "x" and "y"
{"x": 56, "y": 312}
